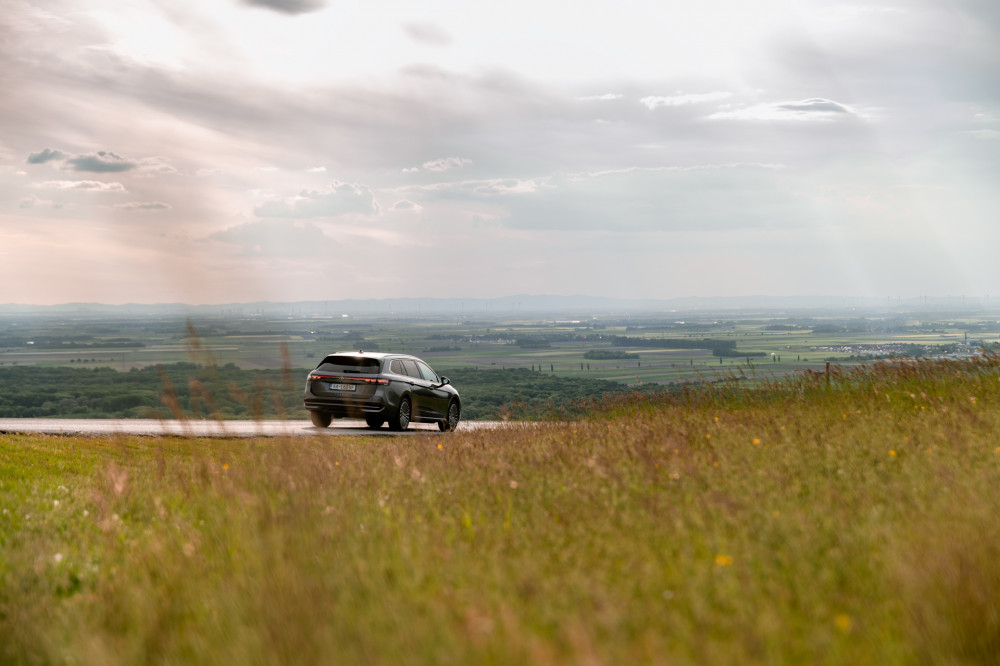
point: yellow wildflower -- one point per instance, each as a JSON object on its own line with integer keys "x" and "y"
{"x": 843, "y": 622}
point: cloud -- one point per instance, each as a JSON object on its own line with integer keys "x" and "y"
{"x": 607, "y": 97}
{"x": 446, "y": 163}
{"x": 427, "y": 33}
{"x": 813, "y": 109}
{"x": 46, "y": 155}
{"x": 142, "y": 205}
{"x": 338, "y": 199}
{"x": 86, "y": 185}
{"x": 815, "y": 105}
{"x": 274, "y": 238}
{"x": 100, "y": 162}
{"x": 288, "y": 6}
{"x": 406, "y": 207}
{"x": 682, "y": 99}
{"x": 489, "y": 187}
{"x": 710, "y": 198}
{"x": 33, "y": 201}
{"x": 154, "y": 166}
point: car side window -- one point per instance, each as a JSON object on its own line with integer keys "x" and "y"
{"x": 411, "y": 368}
{"x": 428, "y": 374}
{"x": 396, "y": 367}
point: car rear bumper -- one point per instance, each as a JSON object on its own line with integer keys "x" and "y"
{"x": 340, "y": 408}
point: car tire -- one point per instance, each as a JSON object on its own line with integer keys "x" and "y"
{"x": 401, "y": 419}
{"x": 374, "y": 422}
{"x": 454, "y": 416}
{"x": 320, "y": 419}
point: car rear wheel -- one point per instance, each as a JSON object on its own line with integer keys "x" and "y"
{"x": 401, "y": 420}
{"x": 454, "y": 416}
{"x": 320, "y": 419}
{"x": 374, "y": 421}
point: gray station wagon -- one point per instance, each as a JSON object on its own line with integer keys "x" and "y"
{"x": 380, "y": 387}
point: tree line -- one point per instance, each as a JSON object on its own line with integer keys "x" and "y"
{"x": 191, "y": 390}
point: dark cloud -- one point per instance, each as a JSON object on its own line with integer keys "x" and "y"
{"x": 46, "y": 155}
{"x": 288, "y": 6}
{"x": 100, "y": 162}
{"x": 338, "y": 199}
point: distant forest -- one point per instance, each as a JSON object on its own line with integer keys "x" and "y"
{"x": 189, "y": 390}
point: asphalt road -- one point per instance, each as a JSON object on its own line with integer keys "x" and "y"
{"x": 154, "y": 427}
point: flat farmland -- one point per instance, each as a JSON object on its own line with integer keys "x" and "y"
{"x": 655, "y": 348}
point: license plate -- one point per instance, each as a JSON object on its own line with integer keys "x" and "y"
{"x": 343, "y": 387}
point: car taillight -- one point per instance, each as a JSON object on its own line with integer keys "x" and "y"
{"x": 328, "y": 378}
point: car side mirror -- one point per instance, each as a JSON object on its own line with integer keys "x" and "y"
{"x": 445, "y": 380}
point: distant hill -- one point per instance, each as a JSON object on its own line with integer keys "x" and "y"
{"x": 529, "y": 304}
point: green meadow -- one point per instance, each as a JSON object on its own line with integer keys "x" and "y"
{"x": 842, "y": 518}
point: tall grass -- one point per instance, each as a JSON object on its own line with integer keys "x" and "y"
{"x": 843, "y": 520}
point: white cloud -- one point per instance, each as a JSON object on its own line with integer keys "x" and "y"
{"x": 682, "y": 99}
{"x": 485, "y": 187}
{"x": 406, "y": 207}
{"x": 338, "y": 199}
{"x": 446, "y": 163}
{"x": 142, "y": 206}
{"x": 32, "y": 202}
{"x": 607, "y": 97}
{"x": 84, "y": 185}
{"x": 154, "y": 166}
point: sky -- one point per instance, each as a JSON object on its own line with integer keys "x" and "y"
{"x": 233, "y": 151}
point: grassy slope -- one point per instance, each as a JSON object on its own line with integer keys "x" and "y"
{"x": 797, "y": 523}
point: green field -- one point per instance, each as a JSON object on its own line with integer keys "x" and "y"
{"x": 844, "y": 519}
{"x": 761, "y": 344}
{"x": 235, "y": 366}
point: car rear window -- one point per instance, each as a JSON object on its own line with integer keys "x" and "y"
{"x": 354, "y": 364}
